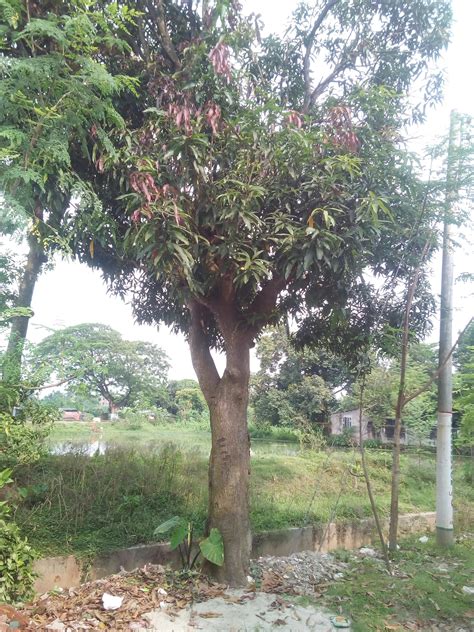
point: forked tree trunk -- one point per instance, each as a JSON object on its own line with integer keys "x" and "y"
{"x": 229, "y": 463}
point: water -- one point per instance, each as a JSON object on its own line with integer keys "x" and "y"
{"x": 98, "y": 445}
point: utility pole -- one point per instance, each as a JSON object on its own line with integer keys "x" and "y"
{"x": 444, "y": 488}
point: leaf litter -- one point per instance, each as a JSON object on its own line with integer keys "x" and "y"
{"x": 141, "y": 590}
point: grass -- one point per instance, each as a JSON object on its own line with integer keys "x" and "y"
{"x": 418, "y": 594}
{"x": 189, "y": 434}
{"x": 79, "y": 504}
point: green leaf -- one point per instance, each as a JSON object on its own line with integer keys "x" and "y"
{"x": 212, "y": 547}
{"x": 178, "y": 535}
{"x": 5, "y": 477}
{"x": 168, "y": 525}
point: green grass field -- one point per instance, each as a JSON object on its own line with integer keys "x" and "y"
{"x": 81, "y": 504}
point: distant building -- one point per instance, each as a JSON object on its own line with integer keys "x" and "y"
{"x": 71, "y": 414}
{"x": 348, "y": 421}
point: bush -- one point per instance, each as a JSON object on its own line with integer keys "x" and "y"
{"x": 373, "y": 444}
{"x": 273, "y": 433}
{"x": 23, "y": 434}
{"x": 468, "y": 471}
{"x": 16, "y": 556}
{"x": 343, "y": 440}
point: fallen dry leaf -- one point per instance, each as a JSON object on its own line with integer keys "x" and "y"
{"x": 209, "y": 615}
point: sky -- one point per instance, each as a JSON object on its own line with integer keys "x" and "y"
{"x": 70, "y": 293}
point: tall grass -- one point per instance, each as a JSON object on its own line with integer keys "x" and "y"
{"x": 87, "y": 504}
{"x": 75, "y": 503}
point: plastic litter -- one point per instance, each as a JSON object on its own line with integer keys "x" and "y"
{"x": 111, "y": 602}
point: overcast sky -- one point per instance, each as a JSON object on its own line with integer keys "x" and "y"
{"x": 71, "y": 293}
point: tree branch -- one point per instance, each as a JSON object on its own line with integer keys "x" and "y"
{"x": 342, "y": 64}
{"x": 203, "y": 362}
{"x": 42, "y": 388}
{"x": 309, "y": 49}
{"x": 439, "y": 370}
{"x": 159, "y": 14}
{"x": 265, "y": 301}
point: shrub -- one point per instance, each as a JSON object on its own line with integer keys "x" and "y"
{"x": 23, "y": 436}
{"x": 343, "y": 440}
{"x": 373, "y": 444}
{"x": 16, "y": 556}
{"x": 273, "y": 433}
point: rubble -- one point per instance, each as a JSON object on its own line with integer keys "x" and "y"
{"x": 297, "y": 574}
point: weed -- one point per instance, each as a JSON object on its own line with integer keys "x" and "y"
{"x": 418, "y": 593}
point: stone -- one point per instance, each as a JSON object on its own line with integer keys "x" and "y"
{"x": 365, "y": 551}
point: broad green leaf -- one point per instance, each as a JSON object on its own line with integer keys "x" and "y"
{"x": 168, "y": 525}
{"x": 178, "y": 535}
{"x": 212, "y": 547}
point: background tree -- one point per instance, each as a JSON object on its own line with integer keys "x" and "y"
{"x": 251, "y": 189}
{"x": 381, "y": 391}
{"x": 55, "y": 101}
{"x": 292, "y": 385}
{"x": 73, "y": 399}
{"x": 96, "y": 357}
{"x": 464, "y": 387}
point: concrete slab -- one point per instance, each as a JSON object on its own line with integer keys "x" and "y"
{"x": 242, "y": 612}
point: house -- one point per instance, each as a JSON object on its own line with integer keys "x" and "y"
{"x": 71, "y": 414}
{"x": 348, "y": 421}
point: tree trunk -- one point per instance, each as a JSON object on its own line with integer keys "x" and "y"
{"x": 11, "y": 369}
{"x": 229, "y": 463}
{"x": 401, "y": 401}
{"x": 229, "y": 469}
{"x": 395, "y": 483}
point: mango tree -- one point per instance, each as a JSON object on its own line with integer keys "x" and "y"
{"x": 258, "y": 176}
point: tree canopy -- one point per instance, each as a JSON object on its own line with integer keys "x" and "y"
{"x": 95, "y": 356}
{"x": 240, "y": 178}
{"x": 294, "y": 387}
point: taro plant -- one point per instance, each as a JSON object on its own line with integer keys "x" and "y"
{"x": 182, "y": 538}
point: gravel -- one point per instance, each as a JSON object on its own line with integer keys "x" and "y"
{"x": 298, "y": 574}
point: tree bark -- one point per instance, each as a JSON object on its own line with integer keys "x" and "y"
{"x": 229, "y": 463}
{"x": 11, "y": 370}
{"x": 229, "y": 467}
{"x": 401, "y": 401}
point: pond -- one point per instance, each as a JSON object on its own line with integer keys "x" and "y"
{"x": 98, "y": 445}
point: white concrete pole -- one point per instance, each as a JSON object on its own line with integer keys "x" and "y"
{"x": 444, "y": 488}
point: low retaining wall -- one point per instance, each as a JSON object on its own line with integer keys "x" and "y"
{"x": 66, "y": 572}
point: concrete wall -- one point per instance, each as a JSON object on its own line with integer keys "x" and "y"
{"x": 337, "y": 425}
{"x": 66, "y": 572}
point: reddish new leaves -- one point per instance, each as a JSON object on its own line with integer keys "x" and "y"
{"x": 294, "y": 118}
{"x": 181, "y": 114}
{"x": 213, "y": 116}
{"x": 145, "y": 185}
{"x": 341, "y": 130}
{"x": 219, "y": 57}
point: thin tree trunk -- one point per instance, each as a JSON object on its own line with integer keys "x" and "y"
{"x": 368, "y": 483}
{"x": 11, "y": 370}
{"x": 395, "y": 485}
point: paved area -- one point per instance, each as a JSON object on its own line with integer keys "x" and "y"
{"x": 241, "y": 611}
